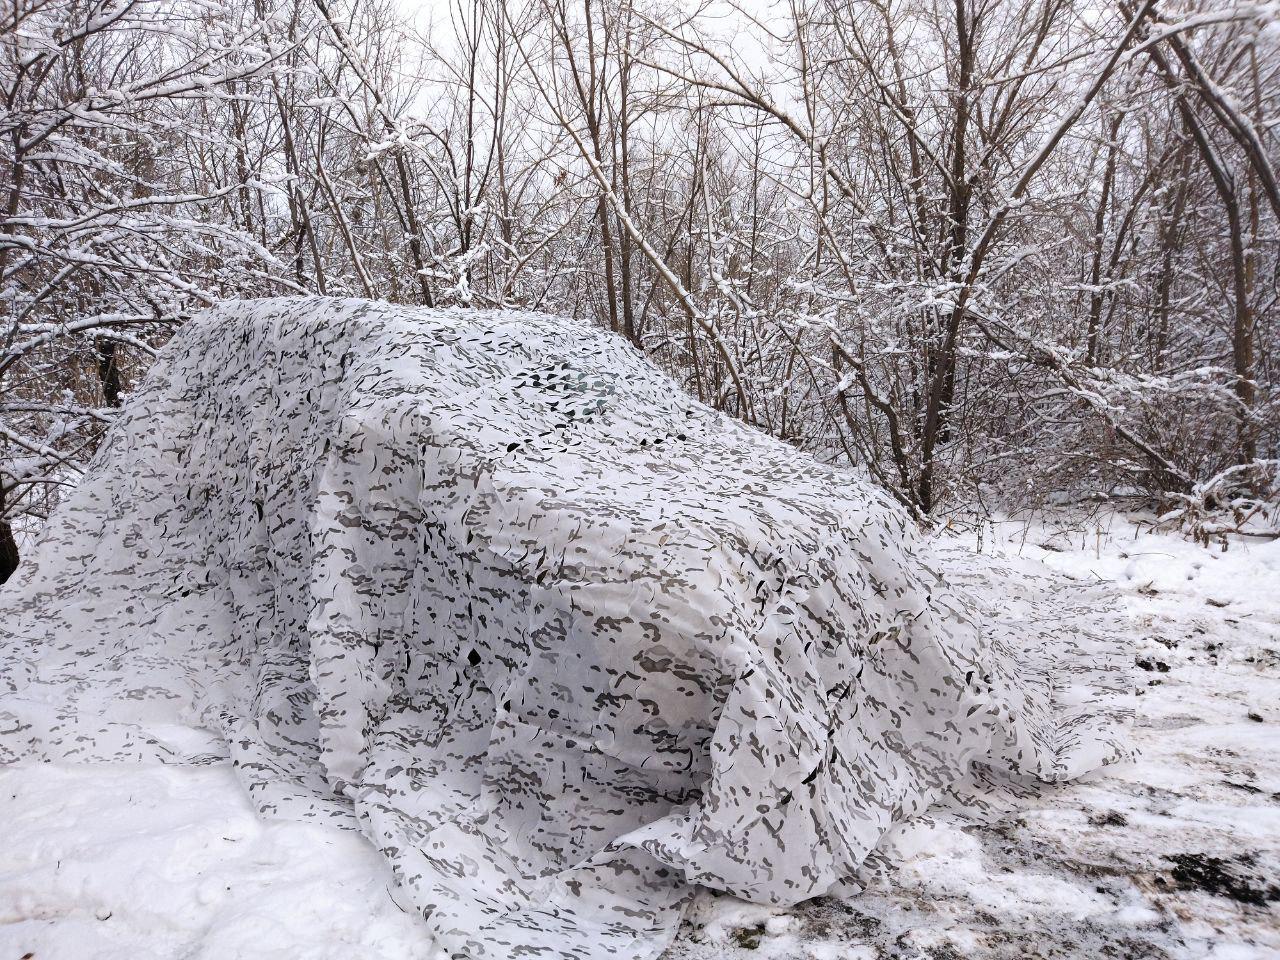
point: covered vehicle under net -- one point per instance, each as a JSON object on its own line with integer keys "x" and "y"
{"x": 562, "y": 642}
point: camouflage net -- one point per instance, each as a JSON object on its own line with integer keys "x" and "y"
{"x": 561, "y": 641}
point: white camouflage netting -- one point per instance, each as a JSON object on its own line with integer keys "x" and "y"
{"x": 559, "y": 640}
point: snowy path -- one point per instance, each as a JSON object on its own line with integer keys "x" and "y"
{"x": 1177, "y": 855}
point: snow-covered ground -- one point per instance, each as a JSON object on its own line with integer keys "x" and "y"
{"x": 1175, "y": 855}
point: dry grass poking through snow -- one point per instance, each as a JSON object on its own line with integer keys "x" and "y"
{"x": 1176, "y": 855}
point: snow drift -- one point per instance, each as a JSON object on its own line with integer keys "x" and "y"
{"x": 561, "y": 641}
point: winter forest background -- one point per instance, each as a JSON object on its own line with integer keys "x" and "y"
{"x": 998, "y": 253}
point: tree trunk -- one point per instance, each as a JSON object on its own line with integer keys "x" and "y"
{"x": 8, "y": 545}
{"x": 109, "y": 372}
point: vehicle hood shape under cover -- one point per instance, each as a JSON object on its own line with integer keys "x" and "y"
{"x": 563, "y": 642}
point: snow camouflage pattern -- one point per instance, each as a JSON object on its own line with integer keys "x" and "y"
{"x": 561, "y": 641}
